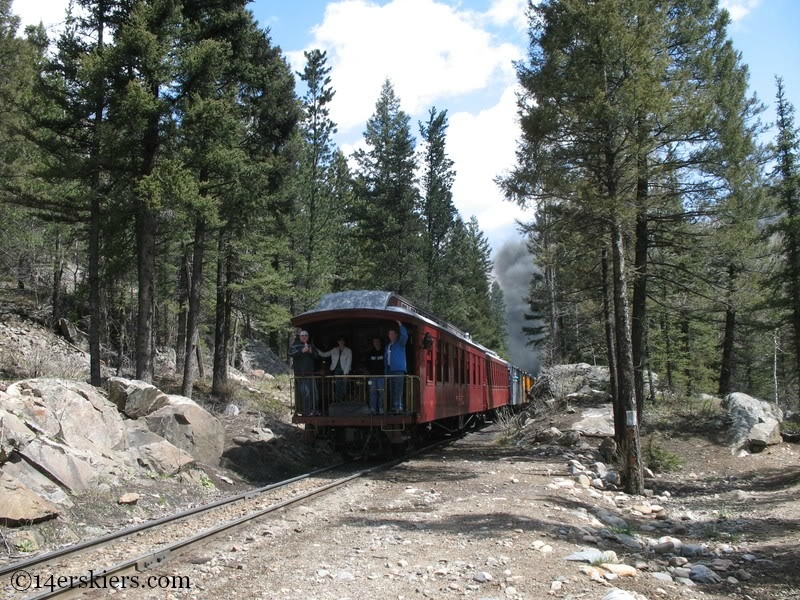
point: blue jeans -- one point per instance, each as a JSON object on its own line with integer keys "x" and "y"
{"x": 377, "y": 387}
{"x": 396, "y": 384}
{"x": 307, "y": 393}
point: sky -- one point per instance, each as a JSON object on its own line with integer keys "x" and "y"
{"x": 456, "y": 55}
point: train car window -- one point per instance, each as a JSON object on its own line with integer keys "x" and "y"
{"x": 446, "y": 361}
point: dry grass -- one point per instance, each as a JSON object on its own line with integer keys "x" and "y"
{"x": 43, "y": 361}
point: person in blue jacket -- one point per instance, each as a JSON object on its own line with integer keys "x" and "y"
{"x": 395, "y": 365}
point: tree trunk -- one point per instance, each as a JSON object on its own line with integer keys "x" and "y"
{"x": 608, "y": 322}
{"x": 146, "y": 251}
{"x": 183, "y": 302}
{"x": 727, "y": 367}
{"x": 687, "y": 353}
{"x": 630, "y": 450}
{"x": 58, "y": 274}
{"x": 639, "y": 317}
{"x": 220, "y": 374}
{"x": 193, "y": 317}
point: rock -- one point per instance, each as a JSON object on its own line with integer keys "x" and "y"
{"x": 189, "y": 427}
{"x": 14, "y": 434}
{"x": 745, "y": 412}
{"x": 256, "y": 355}
{"x": 153, "y": 452}
{"x": 482, "y": 577}
{"x": 620, "y": 570}
{"x": 36, "y": 481}
{"x": 129, "y": 498}
{"x": 73, "y": 412}
{"x": 67, "y": 466}
{"x": 702, "y": 574}
{"x": 596, "y": 422}
{"x": 231, "y": 410}
{"x": 548, "y": 436}
{"x": 593, "y": 555}
{"x": 135, "y": 398}
{"x": 766, "y": 433}
{"x": 612, "y": 519}
{"x": 21, "y": 506}
{"x": 663, "y": 577}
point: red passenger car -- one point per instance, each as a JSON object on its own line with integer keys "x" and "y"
{"x": 451, "y": 382}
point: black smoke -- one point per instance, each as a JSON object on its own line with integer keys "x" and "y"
{"x": 513, "y": 267}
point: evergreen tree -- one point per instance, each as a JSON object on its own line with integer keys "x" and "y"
{"x": 319, "y": 216}
{"x": 388, "y": 200}
{"x": 787, "y": 192}
{"x": 437, "y": 211}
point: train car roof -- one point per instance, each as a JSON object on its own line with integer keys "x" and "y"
{"x": 361, "y": 300}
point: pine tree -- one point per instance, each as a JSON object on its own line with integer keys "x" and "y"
{"x": 787, "y": 191}
{"x": 319, "y": 216}
{"x": 437, "y": 209}
{"x": 388, "y": 211}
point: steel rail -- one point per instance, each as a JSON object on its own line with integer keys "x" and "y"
{"x": 150, "y": 559}
{"x": 100, "y": 541}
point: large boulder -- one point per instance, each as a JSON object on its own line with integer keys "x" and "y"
{"x": 754, "y": 423}
{"x": 14, "y": 434}
{"x": 135, "y": 398}
{"x": 577, "y": 381}
{"x": 70, "y": 468}
{"x": 30, "y": 476}
{"x": 189, "y": 427}
{"x": 20, "y": 506}
{"x": 70, "y": 411}
{"x": 153, "y": 452}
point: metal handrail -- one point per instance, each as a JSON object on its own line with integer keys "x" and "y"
{"x": 328, "y": 391}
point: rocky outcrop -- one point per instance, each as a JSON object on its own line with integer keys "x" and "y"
{"x": 13, "y": 433}
{"x": 72, "y": 412}
{"x": 61, "y": 438}
{"x": 257, "y": 356}
{"x": 190, "y": 427}
{"x": 577, "y": 382}
{"x": 135, "y": 398}
{"x": 19, "y": 505}
{"x": 153, "y": 452}
{"x": 754, "y": 423}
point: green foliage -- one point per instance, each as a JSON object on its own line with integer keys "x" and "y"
{"x": 387, "y": 199}
{"x": 659, "y": 459}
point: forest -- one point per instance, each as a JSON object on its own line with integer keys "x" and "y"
{"x": 666, "y": 230}
{"x": 165, "y": 183}
{"x": 164, "y": 179}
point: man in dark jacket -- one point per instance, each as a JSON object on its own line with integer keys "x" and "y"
{"x": 303, "y": 355}
{"x": 395, "y": 365}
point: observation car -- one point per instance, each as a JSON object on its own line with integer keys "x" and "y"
{"x": 451, "y": 383}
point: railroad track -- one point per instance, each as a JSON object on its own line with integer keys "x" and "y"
{"x": 139, "y": 548}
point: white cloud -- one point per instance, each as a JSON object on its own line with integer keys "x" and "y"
{"x": 482, "y": 146}
{"x": 504, "y": 12}
{"x": 739, "y": 9}
{"x": 49, "y": 12}
{"x": 435, "y": 55}
{"x": 429, "y": 50}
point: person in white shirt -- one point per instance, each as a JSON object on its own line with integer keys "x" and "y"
{"x": 341, "y": 363}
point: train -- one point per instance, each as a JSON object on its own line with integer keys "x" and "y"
{"x": 452, "y": 383}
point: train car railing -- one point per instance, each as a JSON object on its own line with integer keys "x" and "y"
{"x": 350, "y": 395}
